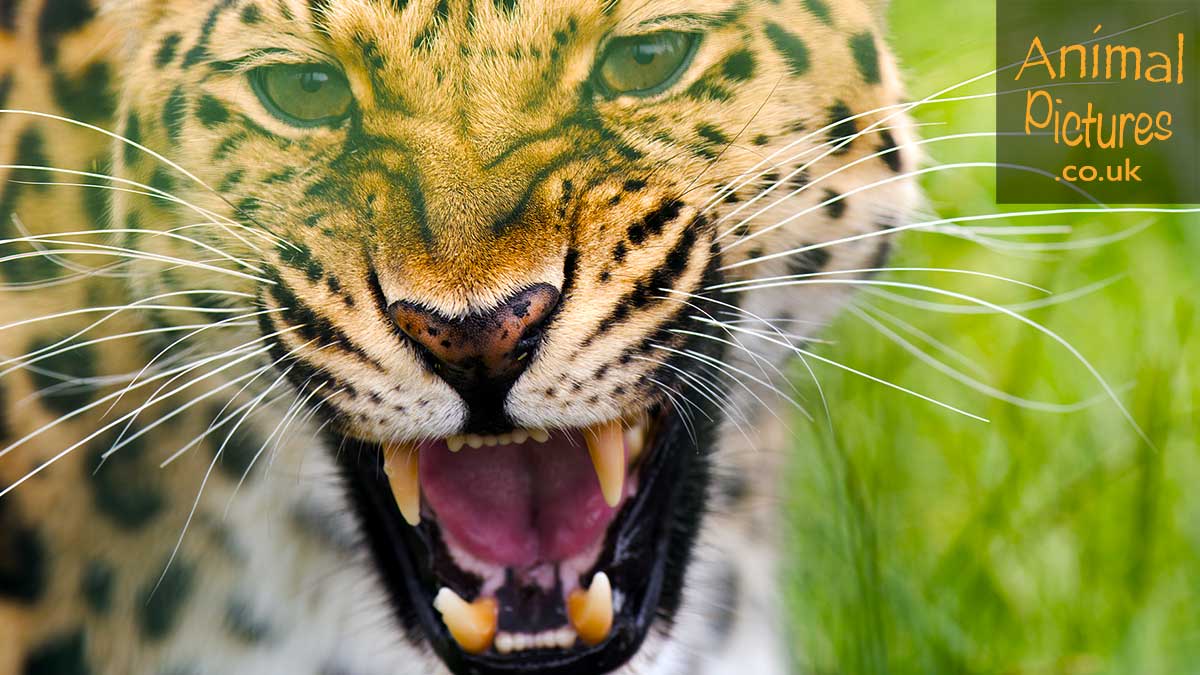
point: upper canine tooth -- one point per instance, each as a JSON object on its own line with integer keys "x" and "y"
{"x": 539, "y": 435}
{"x": 591, "y": 611}
{"x": 455, "y": 443}
{"x": 472, "y": 624}
{"x": 606, "y": 445}
{"x": 400, "y": 463}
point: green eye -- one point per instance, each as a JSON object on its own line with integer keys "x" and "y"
{"x": 305, "y": 95}
{"x": 645, "y": 64}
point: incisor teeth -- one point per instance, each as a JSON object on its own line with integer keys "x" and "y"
{"x": 539, "y": 435}
{"x": 455, "y": 443}
{"x": 472, "y": 624}
{"x": 401, "y": 465}
{"x": 520, "y": 436}
{"x": 606, "y": 445}
{"x": 474, "y": 441}
{"x": 591, "y": 611}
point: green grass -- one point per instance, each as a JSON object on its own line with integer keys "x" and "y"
{"x": 922, "y": 541}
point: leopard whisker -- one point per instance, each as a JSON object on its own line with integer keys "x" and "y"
{"x": 1111, "y": 210}
{"x": 757, "y": 283}
{"x": 1041, "y": 303}
{"x": 1064, "y": 343}
{"x": 968, "y": 381}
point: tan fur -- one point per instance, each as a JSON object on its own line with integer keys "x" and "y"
{"x": 480, "y": 120}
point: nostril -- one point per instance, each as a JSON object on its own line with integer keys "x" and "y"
{"x": 485, "y": 349}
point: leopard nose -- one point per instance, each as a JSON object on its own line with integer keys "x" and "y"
{"x": 482, "y": 354}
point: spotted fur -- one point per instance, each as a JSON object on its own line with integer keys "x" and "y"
{"x": 480, "y": 160}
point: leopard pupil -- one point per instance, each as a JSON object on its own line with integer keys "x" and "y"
{"x": 644, "y": 54}
{"x": 312, "y": 81}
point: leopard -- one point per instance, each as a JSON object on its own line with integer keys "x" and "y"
{"x": 380, "y": 337}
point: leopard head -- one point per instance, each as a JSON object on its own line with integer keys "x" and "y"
{"x": 514, "y": 254}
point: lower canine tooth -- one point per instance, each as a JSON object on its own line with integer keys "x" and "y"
{"x": 591, "y": 611}
{"x": 472, "y": 624}
{"x": 606, "y": 445}
{"x": 400, "y": 464}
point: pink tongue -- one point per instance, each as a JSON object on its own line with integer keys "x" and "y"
{"x": 517, "y": 505}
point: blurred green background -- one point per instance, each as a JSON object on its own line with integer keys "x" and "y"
{"x": 1042, "y": 541}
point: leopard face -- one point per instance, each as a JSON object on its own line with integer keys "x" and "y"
{"x": 498, "y": 246}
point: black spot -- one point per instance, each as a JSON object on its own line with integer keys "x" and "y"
{"x": 726, "y": 604}
{"x": 739, "y": 66}
{"x": 161, "y": 179}
{"x": 707, "y": 89}
{"x": 251, "y": 14}
{"x": 173, "y": 113}
{"x": 161, "y": 602}
{"x": 866, "y": 56}
{"x": 211, "y": 112}
{"x": 167, "y": 50}
{"x": 634, "y": 185}
{"x": 241, "y": 448}
{"x": 95, "y": 200}
{"x": 890, "y": 153}
{"x": 96, "y": 586}
{"x": 712, "y": 135}
{"x": 62, "y": 655}
{"x": 124, "y": 487}
{"x": 820, "y": 10}
{"x": 653, "y": 224}
{"x": 506, "y": 6}
{"x": 23, "y": 558}
{"x": 86, "y": 97}
{"x": 59, "y": 18}
{"x": 231, "y": 180}
{"x": 761, "y": 140}
{"x": 836, "y": 208}
{"x": 619, "y": 252}
{"x": 841, "y": 127}
{"x": 808, "y": 262}
{"x": 790, "y": 47}
{"x": 57, "y": 377}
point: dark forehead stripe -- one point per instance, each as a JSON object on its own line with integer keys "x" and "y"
{"x": 200, "y": 51}
{"x": 790, "y": 47}
{"x": 65, "y": 654}
{"x": 866, "y": 56}
{"x": 5, "y": 87}
{"x": 8, "y": 14}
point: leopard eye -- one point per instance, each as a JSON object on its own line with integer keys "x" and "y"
{"x": 304, "y": 95}
{"x": 645, "y": 65}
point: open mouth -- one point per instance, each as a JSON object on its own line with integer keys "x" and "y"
{"x": 534, "y": 551}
